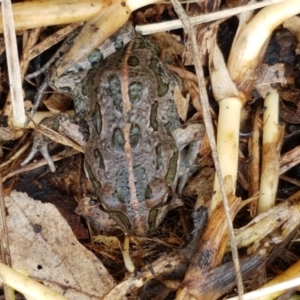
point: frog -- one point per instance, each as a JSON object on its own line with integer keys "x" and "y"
{"x": 135, "y": 147}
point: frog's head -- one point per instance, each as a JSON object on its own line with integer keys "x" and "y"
{"x": 141, "y": 212}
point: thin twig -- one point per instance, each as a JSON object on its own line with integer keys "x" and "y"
{"x": 52, "y": 40}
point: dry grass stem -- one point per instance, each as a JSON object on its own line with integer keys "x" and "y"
{"x": 13, "y": 66}
{"x": 254, "y": 166}
{"x": 33, "y": 14}
{"x": 256, "y": 234}
{"x": 27, "y": 286}
{"x": 272, "y": 141}
{"x": 293, "y": 272}
{"x": 126, "y": 255}
{"x": 263, "y": 293}
{"x": 205, "y": 18}
{"x": 165, "y": 264}
{"x": 9, "y": 108}
{"x": 52, "y": 40}
{"x": 55, "y": 136}
{"x": 16, "y": 154}
{"x": 289, "y": 160}
{"x": 295, "y": 182}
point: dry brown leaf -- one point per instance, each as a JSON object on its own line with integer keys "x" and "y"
{"x": 57, "y": 103}
{"x": 43, "y": 244}
{"x": 268, "y": 77}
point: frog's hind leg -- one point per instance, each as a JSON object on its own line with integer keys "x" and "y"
{"x": 64, "y": 124}
{"x": 39, "y": 145}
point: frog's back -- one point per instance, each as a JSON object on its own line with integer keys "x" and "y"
{"x": 131, "y": 155}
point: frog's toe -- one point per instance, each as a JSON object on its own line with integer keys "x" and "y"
{"x": 43, "y": 149}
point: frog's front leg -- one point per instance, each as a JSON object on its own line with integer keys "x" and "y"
{"x": 188, "y": 139}
{"x": 68, "y": 126}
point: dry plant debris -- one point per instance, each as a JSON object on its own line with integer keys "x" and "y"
{"x": 42, "y": 244}
{"x": 201, "y": 264}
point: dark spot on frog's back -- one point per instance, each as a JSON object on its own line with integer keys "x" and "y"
{"x": 118, "y": 139}
{"x": 141, "y": 182}
{"x": 135, "y": 90}
{"x": 97, "y": 119}
{"x": 139, "y": 43}
{"x": 155, "y": 66}
{"x": 115, "y": 89}
{"x": 122, "y": 191}
{"x": 134, "y": 135}
{"x": 99, "y": 159}
{"x": 118, "y": 44}
{"x": 153, "y": 116}
{"x": 95, "y": 57}
{"x": 172, "y": 168}
{"x": 158, "y": 157}
{"x": 95, "y": 183}
{"x": 170, "y": 119}
{"x": 133, "y": 61}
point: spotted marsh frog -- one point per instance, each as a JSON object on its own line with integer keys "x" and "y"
{"x": 131, "y": 130}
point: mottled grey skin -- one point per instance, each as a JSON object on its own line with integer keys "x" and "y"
{"x": 126, "y": 111}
